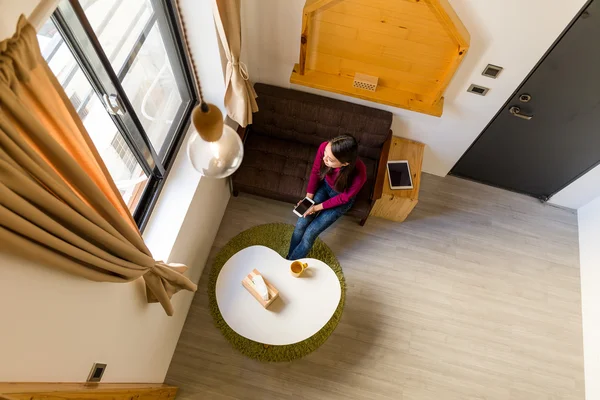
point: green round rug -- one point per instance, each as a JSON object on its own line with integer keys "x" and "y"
{"x": 276, "y": 237}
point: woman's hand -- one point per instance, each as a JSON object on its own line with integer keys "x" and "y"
{"x": 313, "y": 209}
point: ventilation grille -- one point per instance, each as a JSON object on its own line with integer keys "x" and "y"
{"x": 365, "y": 82}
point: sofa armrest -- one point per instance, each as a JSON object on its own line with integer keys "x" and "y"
{"x": 243, "y": 132}
{"x": 381, "y": 168}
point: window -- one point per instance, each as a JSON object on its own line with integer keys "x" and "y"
{"x": 122, "y": 65}
{"x": 124, "y": 153}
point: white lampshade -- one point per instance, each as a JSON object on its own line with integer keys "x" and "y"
{"x": 220, "y": 156}
{"x": 216, "y": 159}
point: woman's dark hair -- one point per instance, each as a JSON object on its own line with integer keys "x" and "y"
{"x": 345, "y": 149}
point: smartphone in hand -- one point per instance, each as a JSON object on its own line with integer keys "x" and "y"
{"x": 303, "y": 207}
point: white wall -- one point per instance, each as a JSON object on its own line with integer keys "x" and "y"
{"x": 580, "y": 192}
{"x": 11, "y": 9}
{"x": 589, "y": 263}
{"x": 54, "y": 325}
{"x": 510, "y": 33}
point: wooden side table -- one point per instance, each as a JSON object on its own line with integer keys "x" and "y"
{"x": 395, "y": 205}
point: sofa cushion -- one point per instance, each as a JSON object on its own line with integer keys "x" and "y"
{"x": 275, "y": 165}
{"x": 311, "y": 119}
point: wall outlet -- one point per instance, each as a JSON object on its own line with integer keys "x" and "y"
{"x": 476, "y": 89}
{"x": 96, "y": 372}
{"x": 492, "y": 71}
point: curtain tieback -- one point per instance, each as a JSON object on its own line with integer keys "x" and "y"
{"x": 242, "y": 68}
{"x": 163, "y": 281}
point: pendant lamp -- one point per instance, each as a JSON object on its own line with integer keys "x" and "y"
{"x": 215, "y": 149}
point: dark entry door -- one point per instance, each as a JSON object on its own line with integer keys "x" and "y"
{"x": 548, "y": 134}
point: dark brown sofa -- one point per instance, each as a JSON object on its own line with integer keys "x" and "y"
{"x": 281, "y": 143}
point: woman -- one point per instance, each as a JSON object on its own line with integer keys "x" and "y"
{"x": 336, "y": 178}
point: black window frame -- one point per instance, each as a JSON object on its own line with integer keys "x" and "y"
{"x": 81, "y": 39}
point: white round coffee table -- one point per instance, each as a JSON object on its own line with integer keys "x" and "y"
{"x": 304, "y": 306}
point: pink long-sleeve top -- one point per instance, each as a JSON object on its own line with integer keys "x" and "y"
{"x": 357, "y": 180}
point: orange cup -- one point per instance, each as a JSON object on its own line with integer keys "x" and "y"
{"x": 297, "y": 268}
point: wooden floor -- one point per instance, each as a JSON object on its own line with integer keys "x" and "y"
{"x": 475, "y": 296}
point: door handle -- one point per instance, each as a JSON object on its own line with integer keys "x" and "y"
{"x": 516, "y": 111}
{"x": 113, "y": 104}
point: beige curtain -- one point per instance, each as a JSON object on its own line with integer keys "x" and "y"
{"x": 239, "y": 93}
{"x": 58, "y": 203}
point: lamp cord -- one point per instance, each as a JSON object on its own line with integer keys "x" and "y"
{"x": 203, "y": 105}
